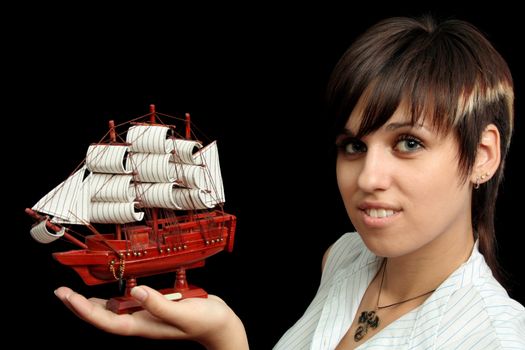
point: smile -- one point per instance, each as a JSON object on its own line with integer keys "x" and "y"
{"x": 379, "y": 213}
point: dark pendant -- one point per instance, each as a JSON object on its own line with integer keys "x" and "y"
{"x": 360, "y": 333}
{"x": 366, "y": 319}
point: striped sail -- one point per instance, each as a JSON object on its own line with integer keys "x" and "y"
{"x": 187, "y": 175}
{"x": 111, "y": 159}
{"x": 114, "y": 213}
{"x": 112, "y": 188}
{"x": 183, "y": 151}
{"x": 112, "y": 196}
{"x": 193, "y": 180}
{"x": 41, "y": 234}
{"x": 209, "y": 157}
{"x": 152, "y": 169}
{"x": 158, "y": 195}
{"x": 69, "y": 202}
{"x": 193, "y": 198}
{"x": 149, "y": 139}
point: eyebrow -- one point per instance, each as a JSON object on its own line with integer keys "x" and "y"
{"x": 395, "y": 126}
{"x": 347, "y": 132}
{"x": 388, "y": 127}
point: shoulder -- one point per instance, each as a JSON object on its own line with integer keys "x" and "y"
{"x": 348, "y": 251}
{"x": 481, "y": 314}
{"x": 348, "y": 240}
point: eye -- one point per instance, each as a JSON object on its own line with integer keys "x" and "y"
{"x": 408, "y": 144}
{"x": 351, "y": 146}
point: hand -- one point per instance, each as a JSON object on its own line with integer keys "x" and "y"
{"x": 209, "y": 321}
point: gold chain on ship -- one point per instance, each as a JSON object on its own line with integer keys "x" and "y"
{"x": 121, "y": 268}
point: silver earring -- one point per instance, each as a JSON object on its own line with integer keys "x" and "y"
{"x": 480, "y": 178}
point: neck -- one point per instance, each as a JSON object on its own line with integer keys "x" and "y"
{"x": 425, "y": 269}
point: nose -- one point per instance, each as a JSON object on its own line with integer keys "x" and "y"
{"x": 375, "y": 172}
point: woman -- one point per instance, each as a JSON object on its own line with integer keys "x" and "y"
{"x": 425, "y": 115}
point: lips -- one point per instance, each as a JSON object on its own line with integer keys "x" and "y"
{"x": 379, "y": 212}
{"x": 378, "y": 216}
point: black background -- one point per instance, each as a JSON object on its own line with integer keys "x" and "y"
{"x": 252, "y": 78}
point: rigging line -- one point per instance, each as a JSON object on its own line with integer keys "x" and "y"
{"x": 210, "y": 178}
{"x": 84, "y": 160}
{"x": 127, "y": 240}
{"x": 172, "y": 227}
{"x": 104, "y": 241}
{"x": 173, "y": 224}
{"x": 194, "y": 134}
{"x": 158, "y": 236}
{"x": 171, "y": 116}
{"x": 101, "y": 141}
{"x": 133, "y": 120}
{"x": 192, "y": 125}
{"x": 213, "y": 226}
{"x": 95, "y": 231}
{"x": 60, "y": 187}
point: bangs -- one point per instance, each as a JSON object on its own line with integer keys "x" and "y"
{"x": 436, "y": 72}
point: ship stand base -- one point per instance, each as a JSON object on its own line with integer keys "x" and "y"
{"x": 182, "y": 290}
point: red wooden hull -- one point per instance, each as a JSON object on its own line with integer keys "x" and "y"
{"x": 146, "y": 251}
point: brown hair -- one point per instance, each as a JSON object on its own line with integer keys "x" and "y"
{"x": 450, "y": 75}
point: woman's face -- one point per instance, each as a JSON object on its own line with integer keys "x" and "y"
{"x": 401, "y": 186}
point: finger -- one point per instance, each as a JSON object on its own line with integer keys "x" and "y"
{"x": 63, "y": 294}
{"x": 155, "y": 303}
{"x": 180, "y": 314}
{"x": 193, "y": 316}
{"x": 95, "y": 312}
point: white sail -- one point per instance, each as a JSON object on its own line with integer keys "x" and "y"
{"x": 41, "y": 234}
{"x": 110, "y": 159}
{"x": 112, "y": 188}
{"x": 69, "y": 201}
{"x": 192, "y": 198}
{"x": 149, "y": 139}
{"x": 209, "y": 157}
{"x": 114, "y": 213}
{"x": 191, "y": 176}
{"x": 158, "y": 195}
{"x": 150, "y": 167}
{"x": 184, "y": 150}
{"x": 153, "y": 170}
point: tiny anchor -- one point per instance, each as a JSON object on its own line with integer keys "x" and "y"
{"x": 367, "y": 319}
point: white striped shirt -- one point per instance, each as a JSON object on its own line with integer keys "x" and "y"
{"x": 469, "y": 310}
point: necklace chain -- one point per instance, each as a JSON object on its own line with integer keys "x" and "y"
{"x": 404, "y": 301}
{"x": 369, "y": 318}
{"x": 399, "y": 302}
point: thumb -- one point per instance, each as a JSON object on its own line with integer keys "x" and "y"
{"x": 154, "y": 302}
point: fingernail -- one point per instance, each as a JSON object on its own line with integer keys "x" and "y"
{"x": 56, "y": 291}
{"x": 139, "y": 293}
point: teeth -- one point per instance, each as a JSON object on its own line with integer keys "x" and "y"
{"x": 379, "y": 213}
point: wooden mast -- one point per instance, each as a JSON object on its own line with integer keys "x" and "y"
{"x": 188, "y": 137}
{"x": 154, "y": 211}
{"x": 113, "y": 139}
{"x": 188, "y": 126}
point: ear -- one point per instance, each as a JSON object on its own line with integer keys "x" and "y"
{"x": 488, "y": 155}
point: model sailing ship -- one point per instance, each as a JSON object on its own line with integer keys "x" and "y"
{"x": 162, "y": 194}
